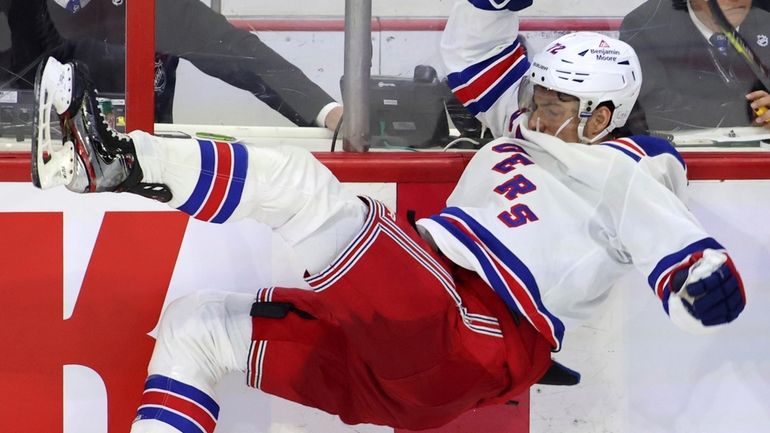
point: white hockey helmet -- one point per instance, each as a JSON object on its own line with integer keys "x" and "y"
{"x": 594, "y": 68}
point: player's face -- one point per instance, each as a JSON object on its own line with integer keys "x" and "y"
{"x": 735, "y": 11}
{"x": 554, "y": 113}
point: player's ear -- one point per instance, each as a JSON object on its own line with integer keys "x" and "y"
{"x": 598, "y": 121}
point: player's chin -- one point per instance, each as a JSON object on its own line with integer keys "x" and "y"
{"x": 736, "y": 15}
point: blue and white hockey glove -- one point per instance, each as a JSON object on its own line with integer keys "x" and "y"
{"x": 710, "y": 291}
{"x": 498, "y": 5}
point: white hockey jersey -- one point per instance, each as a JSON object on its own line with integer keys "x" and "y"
{"x": 550, "y": 225}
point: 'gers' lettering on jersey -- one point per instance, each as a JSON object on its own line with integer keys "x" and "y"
{"x": 507, "y": 274}
{"x": 519, "y": 214}
{"x": 509, "y": 164}
{"x": 179, "y": 405}
{"x": 220, "y": 183}
{"x": 480, "y": 85}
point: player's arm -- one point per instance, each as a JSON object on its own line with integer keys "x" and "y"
{"x": 484, "y": 58}
{"x": 657, "y": 157}
{"x": 690, "y": 272}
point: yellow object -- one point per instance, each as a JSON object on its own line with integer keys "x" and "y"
{"x": 760, "y": 111}
{"x": 211, "y": 136}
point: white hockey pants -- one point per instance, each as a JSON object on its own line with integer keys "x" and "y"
{"x": 283, "y": 187}
{"x": 206, "y": 335}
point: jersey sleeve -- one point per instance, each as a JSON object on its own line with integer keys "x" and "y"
{"x": 485, "y": 60}
{"x": 658, "y": 231}
{"x": 658, "y": 158}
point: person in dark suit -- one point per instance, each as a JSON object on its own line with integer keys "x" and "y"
{"x": 25, "y": 33}
{"x": 691, "y": 77}
{"x": 93, "y": 31}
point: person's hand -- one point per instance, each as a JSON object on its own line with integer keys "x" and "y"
{"x": 710, "y": 290}
{"x": 760, "y": 103}
{"x": 333, "y": 118}
{"x": 496, "y": 5}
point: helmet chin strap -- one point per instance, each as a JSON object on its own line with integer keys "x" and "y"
{"x": 580, "y": 129}
{"x": 556, "y": 134}
{"x": 563, "y": 125}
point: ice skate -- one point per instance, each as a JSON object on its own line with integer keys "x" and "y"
{"x": 91, "y": 156}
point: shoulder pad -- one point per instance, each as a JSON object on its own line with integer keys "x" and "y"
{"x": 639, "y": 146}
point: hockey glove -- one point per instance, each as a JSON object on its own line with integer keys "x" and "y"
{"x": 710, "y": 290}
{"x": 497, "y": 5}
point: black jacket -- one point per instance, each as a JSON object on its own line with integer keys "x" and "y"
{"x": 686, "y": 84}
{"x": 26, "y": 35}
{"x": 184, "y": 28}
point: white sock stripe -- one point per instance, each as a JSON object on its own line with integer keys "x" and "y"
{"x": 345, "y": 263}
{"x": 256, "y": 363}
{"x": 176, "y": 412}
{"x": 261, "y": 363}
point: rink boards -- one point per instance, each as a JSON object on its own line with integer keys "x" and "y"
{"x": 84, "y": 279}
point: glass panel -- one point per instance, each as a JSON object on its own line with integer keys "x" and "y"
{"x": 691, "y": 93}
{"x": 695, "y": 82}
{"x": 94, "y": 32}
{"x": 235, "y": 70}
{"x": 274, "y": 64}
{"x": 31, "y": 30}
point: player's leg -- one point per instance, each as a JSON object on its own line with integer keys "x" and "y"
{"x": 283, "y": 187}
{"x": 201, "y": 338}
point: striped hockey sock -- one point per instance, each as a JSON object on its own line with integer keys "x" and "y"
{"x": 179, "y": 405}
{"x": 220, "y": 184}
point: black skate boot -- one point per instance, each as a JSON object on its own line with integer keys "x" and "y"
{"x": 91, "y": 157}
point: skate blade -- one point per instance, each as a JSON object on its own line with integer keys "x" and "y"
{"x": 53, "y": 161}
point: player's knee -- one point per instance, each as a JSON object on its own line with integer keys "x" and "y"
{"x": 301, "y": 159}
{"x": 188, "y": 317}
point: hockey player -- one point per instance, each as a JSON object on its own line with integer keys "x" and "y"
{"x": 403, "y": 329}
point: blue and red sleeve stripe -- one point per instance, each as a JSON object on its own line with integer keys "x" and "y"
{"x": 480, "y": 85}
{"x": 639, "y": 146}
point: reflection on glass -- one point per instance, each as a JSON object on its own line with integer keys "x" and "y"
{"x": 209, "y": 43}
{"x": 693, "y": 79}
{"x": 32, "y": 30}
{"x": 284, "y": 66}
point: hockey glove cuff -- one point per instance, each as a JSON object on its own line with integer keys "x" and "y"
{"x": 707, "y": 294}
